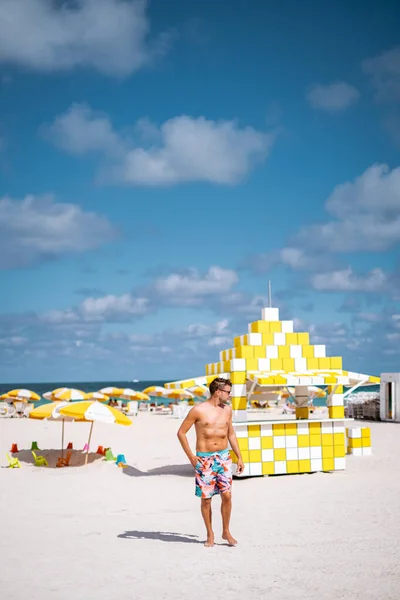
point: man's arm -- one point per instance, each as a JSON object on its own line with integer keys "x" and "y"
{"x": 235, "y": 446}
{"x": 182, "y": 431}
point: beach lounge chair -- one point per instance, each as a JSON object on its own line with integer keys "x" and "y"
{"x": 13, "y": 463}
{"x": 64, "y": 462}
{"x": 109, "y": 456}
{"x": 28, "y": 408}
{"x": 11, "y": 412}
{"x": 40, "y": 461}
{"x": 133, "y": 408}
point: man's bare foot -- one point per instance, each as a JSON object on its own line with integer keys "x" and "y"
{"x": 229, "y": 538}
{"x": 209, "y": 543}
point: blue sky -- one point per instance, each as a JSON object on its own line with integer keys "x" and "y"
{"x": 159, "y": 162}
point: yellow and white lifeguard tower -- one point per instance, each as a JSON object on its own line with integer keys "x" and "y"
{"x": 272, "y": 356}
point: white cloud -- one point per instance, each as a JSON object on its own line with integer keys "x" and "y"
{"x": 334, "y": 97}
{"x": 190, "y": 289}
{"x": 384, "y": 71}
{"x": 393, "y": 337}
{"x": 113, "y": 307}
{"x": 194, "y": 284}
{"x": 196, "y": 150}
{"x": 60, "y": 317}
{"x": 364, "y": 233}
{"x": 369, "y": 317}
{"x": 109, "y": 36}
{"x": 365, "y": 217}
{"x": 66, "y": 343}
{"x": 198, "y": 330}
{"x": 241, "y": 303}
{"x": 367, "y": 212}
{"x": 38, "y": 228}
{"x": 220, "y": 329}
{"x": 182, "y": 149}
{"x": 80, "y": 130}
{"x": 396, "y": 320}
{"x": 14, "y": 340}
{"x": 220, "y": 341}
{"x": 109, "y": 308}
{"x": 222, "y": 326}
{"x": 348, "y": 281}
{"x": 295, "y": 258}
{"x": 376, "y": 191}
{"x": 63, "y": 339}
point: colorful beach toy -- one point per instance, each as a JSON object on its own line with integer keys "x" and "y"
{"x": 109, "y": 456}
{"x": 121, "y": 461}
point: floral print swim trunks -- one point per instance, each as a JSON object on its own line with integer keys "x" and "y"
{"x": 213, "y": 473}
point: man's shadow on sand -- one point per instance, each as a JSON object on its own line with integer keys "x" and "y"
{"x": 163, "y": 536}
{"x": 181, "y": 470}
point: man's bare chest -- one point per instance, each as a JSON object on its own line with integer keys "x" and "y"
{"x": 214, "y": 420}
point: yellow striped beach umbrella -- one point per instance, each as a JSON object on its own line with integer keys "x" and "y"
{"x": 94, "y": 411}
{"x": 51, "y": 411}
{"x": 155, "y": 390}
{"x": 179, "y": 395}
{"x": 128, "y": 394}
{"x": 97, "y": 396}
{"x": 199, "y": 391}
{"x": 12, "y": 400}
{"x": 68, "y": 394}
{"x": 47, "y": 411}
{"x": 114, "y": 392}
{"x": 23, "y": 395}
{"x": 142, "y": 396}
{"x": 89, "y": 410}
{"x": 49, "y": 395}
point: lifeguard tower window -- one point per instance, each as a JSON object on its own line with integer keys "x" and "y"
{"x": 389, "y": 400}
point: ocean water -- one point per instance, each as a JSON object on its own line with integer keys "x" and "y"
{"x": 94, "y": 386}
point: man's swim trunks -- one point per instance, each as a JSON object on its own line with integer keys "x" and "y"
{"x": 213, "y": 473}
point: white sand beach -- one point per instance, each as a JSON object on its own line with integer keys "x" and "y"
{"x": 104, "y": 533}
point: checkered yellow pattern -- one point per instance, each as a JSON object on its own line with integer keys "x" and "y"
{"x": 273, "y": 345}
{"x": 284, "y": 448}
{"x": 359, "y": 441}
{"x": 273, "y": 354}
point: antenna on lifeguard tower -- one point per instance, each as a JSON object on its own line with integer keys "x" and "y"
{"x": 269, "y": 294}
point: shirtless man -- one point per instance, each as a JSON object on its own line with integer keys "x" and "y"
{"x": 212, "y": 463}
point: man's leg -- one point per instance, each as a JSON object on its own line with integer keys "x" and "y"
{"x": 226, "y": 509}
{"x": 206, "y": 512}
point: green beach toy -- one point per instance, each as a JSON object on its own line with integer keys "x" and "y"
{"x": 109, "y": 456}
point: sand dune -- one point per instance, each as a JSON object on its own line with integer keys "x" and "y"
{"x": 100, "y": 532}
